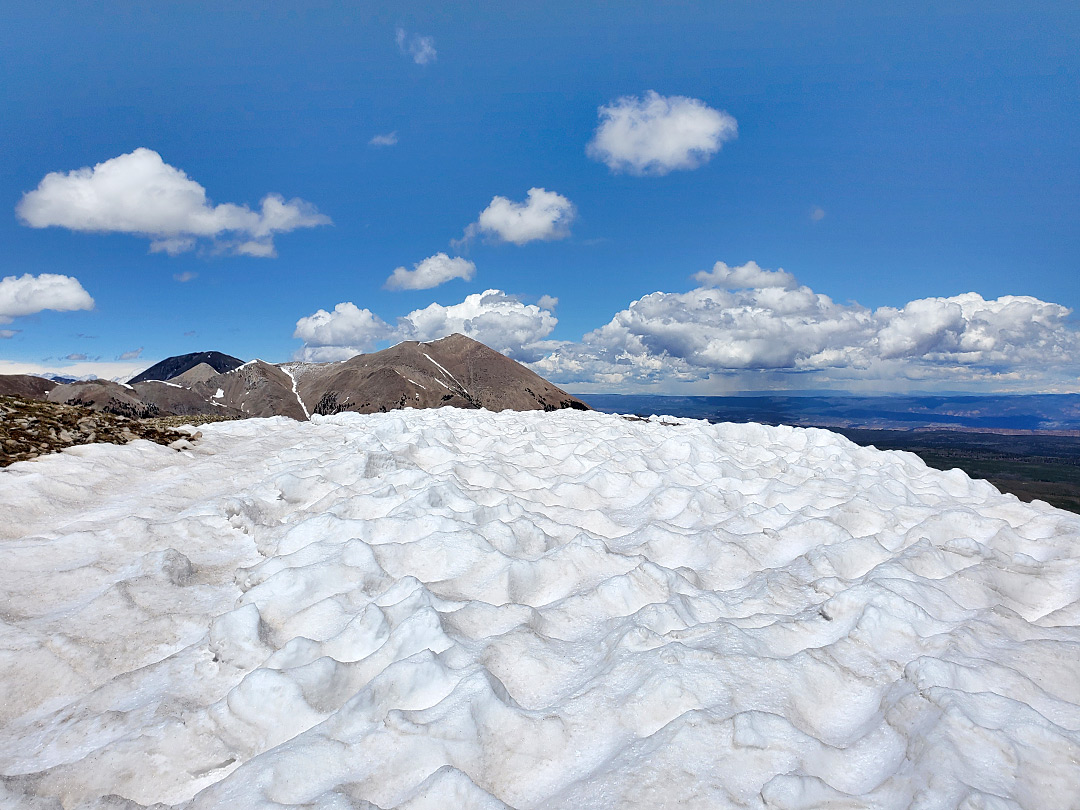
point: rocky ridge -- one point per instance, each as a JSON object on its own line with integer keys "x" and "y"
{"x": 30, "y": 428}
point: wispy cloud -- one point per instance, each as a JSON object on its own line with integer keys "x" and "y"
{"x": 389, "y": 139}
{"x": 185, "y": 277}
{"x": 817, "y": 213}
{"x": 139, "y": 193}
{"x": 80, "y": 369}
{"x": 134, "y": 354}
{"x": 420, "y": 48}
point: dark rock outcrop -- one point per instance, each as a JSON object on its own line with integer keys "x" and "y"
{"x": 172, "y": 367}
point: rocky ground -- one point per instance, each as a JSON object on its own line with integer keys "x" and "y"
{"x": 30, "y": 428}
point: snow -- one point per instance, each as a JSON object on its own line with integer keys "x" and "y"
{"x": 219, "y": 393}
{"x": 444, "y": 371}
{"x": 461, "y": 609}
{"x": 166, "y": 382}
{"x": 296, "y": 393}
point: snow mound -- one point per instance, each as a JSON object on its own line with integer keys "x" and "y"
{"x": 462, "y": 609}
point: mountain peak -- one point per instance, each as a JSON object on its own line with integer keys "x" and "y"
{"x": 172, "y": 367}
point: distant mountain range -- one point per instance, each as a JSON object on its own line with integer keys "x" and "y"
{"x": 1043, "y": 413}
{"x": 463, "y": 373}
{"x": 455, "y": 370}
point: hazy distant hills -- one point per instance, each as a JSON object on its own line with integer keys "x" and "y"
{"x": 455, "y": 371}
{"x": 1031, "y": 412}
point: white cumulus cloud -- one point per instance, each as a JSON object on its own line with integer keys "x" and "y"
{"x": 138, "y": 193}
{"x": 658, "y": 134}
{"x": 420, "y": 48}
{"x": 340, "y": 334}
{"x": 492, "y": 317}
{"x": 745, "y": 320}
{"x": 744, "y": 276}
{"x": 27, "y": 294}
{"x": 543, "y": 215}
{"x": 431, "y": 272}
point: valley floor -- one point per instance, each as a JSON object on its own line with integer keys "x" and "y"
{"x": 1031, "y": 466}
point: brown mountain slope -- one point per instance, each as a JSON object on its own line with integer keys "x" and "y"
{"x": 254, "y": 389}
{"x": 25, "y": 385}
{"x": 456, "y": 371}
{"x": 145, "y": 399}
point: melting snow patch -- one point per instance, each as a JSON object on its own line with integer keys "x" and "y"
{"x": 447, "y": 373}
{"x": 296, "y": 393}
{"x": 447, "y": 608}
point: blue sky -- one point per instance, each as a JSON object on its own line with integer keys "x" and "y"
{"x": 894, "y": 160}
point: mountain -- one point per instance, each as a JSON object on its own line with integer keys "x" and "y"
{"x": 455, "y": 371}
{"x": 25, "y": 385}
{"x": 149, "y": 398}
{"x": 254, "y": 389}
{"x": 172, "y": 367}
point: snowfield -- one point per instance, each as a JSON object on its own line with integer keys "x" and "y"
{"x": 462, "y": 609}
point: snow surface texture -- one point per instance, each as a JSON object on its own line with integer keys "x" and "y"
{"x": 460, "y": 609}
